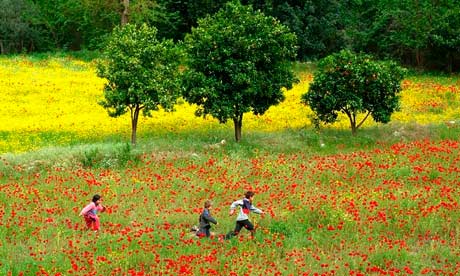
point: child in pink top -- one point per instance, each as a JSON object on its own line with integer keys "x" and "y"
{"x": 89, "y": 213}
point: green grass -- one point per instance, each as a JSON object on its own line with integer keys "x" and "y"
{"x": 112, "y": 152}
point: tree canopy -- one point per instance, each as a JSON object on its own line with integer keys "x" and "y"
{"x": 239, "y": 60}
{"x": 351, "y": 83}
{"x": 142, "y": 73}
{"x": 420, "y": 33}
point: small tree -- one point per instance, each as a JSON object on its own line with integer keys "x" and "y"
{"x": 141, "y": 72}
{"x": 354, "y": 83}
{"x": 238, "y": 61}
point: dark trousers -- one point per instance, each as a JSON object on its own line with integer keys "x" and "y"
{"x": 239, "y": 225}
{"x": 204, "y": 232}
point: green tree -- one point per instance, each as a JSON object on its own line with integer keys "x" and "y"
{"x": 175, "y": 18}
{"x": 70, "y": 24}
{"x": 18, "y": 28}
{"x": 142, "y": 73}
{"x": 318, "y": 24}
{"x": 445, "y": 37}
{"x": 352, "y": 83}
{"x": 421, "y": 33}
{"x": 238, "y": 61}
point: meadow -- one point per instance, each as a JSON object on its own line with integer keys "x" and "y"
{"x": 384, "y": 202}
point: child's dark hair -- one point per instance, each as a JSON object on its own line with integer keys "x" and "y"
{"x": 249, "y": 194}
{"x": 96, "y": 198}
{"x": 207, "y": 204}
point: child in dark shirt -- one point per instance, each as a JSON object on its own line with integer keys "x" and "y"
{"x": 205, "y": 221}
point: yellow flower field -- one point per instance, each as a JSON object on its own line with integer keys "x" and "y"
{"x": 56, "y": 100}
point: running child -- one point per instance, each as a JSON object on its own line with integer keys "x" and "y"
{"x": 89, "y": 213}
{"x": 205, "y": 221}
{"x": 242, "y": 220}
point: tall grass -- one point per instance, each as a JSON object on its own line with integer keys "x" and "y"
{"x": 115, "y": 154}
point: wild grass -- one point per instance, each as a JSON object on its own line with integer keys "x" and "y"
{"x": 116, "y": 154}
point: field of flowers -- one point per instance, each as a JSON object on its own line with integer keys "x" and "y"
{"x": 53, "y": 102}
{"x": 392, "y": 209}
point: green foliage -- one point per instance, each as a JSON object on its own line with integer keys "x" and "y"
{"x": 446, "y": 39}
{"x": 175, "y": 18}
{"x": 95, "y": 22}
{"x": 142, "y": 73}
{"x": 18, "y": 31}
{"x": 118, "y": 156}
{"x": 352, "y": 83}
{"x": 422, "y": 33}
{"x": 238, "y": 61}
{"x": 61, "y": 20}
{"x": 91, "y": 157}
{"x": 414, "y": 32}
{"x": 154, "y": 13}
{"x": 43, "y": 25}
{"x": 318, "y": 24}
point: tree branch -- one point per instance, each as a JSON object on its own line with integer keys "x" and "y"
{"x": 364, "y": 119}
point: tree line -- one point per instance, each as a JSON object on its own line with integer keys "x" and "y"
{"x": 237, "y": 61}
{"x": 419, "y": 33}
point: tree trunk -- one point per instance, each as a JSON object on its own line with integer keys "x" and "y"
{"x": 125, "y": 13}
{"x": 352, "y": 117}
{"x": 134, "y": 120}
{"x": 238, "y": 123}
{"x": 353, "y": 130}
{"x": 363, "y": 120}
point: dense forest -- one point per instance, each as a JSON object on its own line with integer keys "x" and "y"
{"x": 417, "y": 33}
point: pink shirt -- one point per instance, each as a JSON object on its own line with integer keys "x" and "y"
{"x": 91, "y": 209}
